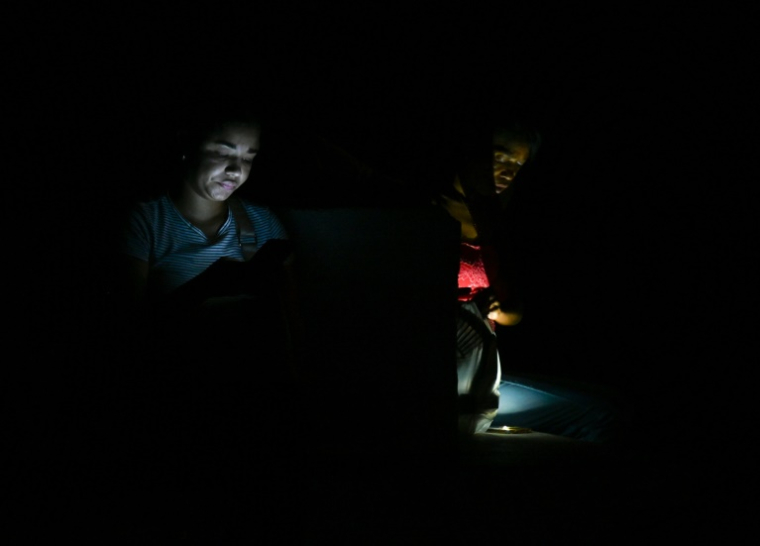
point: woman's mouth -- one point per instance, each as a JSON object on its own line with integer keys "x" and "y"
{"x": 502, "y": 184}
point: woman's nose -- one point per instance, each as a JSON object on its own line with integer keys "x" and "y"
{"x": 234, "y": 167}
{"x": 511, "y": 169}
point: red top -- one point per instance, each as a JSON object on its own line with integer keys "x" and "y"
{"x": 472, "y": 272}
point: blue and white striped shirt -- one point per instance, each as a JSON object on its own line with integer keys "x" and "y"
{"x": 177, "y": 251}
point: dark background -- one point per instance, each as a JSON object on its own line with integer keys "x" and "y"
{"x": 635, "y": 228}
{"x": 635, "y": 234}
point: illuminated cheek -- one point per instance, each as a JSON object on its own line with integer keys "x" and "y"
{"x": 216, "y": 171}
{"x": 200, "y": 176}
{"x": 207, "y": 169}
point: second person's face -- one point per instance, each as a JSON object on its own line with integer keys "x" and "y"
{"x": 224, "y": 161}
{"x": 508, "y": 158}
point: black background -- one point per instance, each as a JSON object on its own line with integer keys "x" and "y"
{"x": 635, "y": 234}
{"x": 635, "y": 229}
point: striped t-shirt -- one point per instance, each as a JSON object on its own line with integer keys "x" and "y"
{"x": 177, "y": 251}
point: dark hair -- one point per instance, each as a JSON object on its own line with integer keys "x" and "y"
{"x": 200, "y": 121}
{"x": 520, "y": 130}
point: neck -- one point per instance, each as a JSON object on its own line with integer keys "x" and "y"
{"x": 195, "y": 208}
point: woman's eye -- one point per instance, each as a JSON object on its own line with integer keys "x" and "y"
{"x": 506, "y": 160}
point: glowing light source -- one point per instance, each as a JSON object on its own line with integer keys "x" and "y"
{"x": 509, "y": 430}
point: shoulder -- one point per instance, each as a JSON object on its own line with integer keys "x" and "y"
{"x": 258, "y": 211}
{"x": 255, "y": 207}
{"x": 151, "y": 215}
{"x": 264, "y": 219}
{"x": 151, "y": 208}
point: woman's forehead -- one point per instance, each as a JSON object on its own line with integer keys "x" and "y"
{"x": 237, "y": 132}
{"x": 511, "y": 146}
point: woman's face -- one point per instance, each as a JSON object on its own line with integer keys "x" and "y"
{"x": 223, "y": 161}
{"x": 508, "y": 158}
